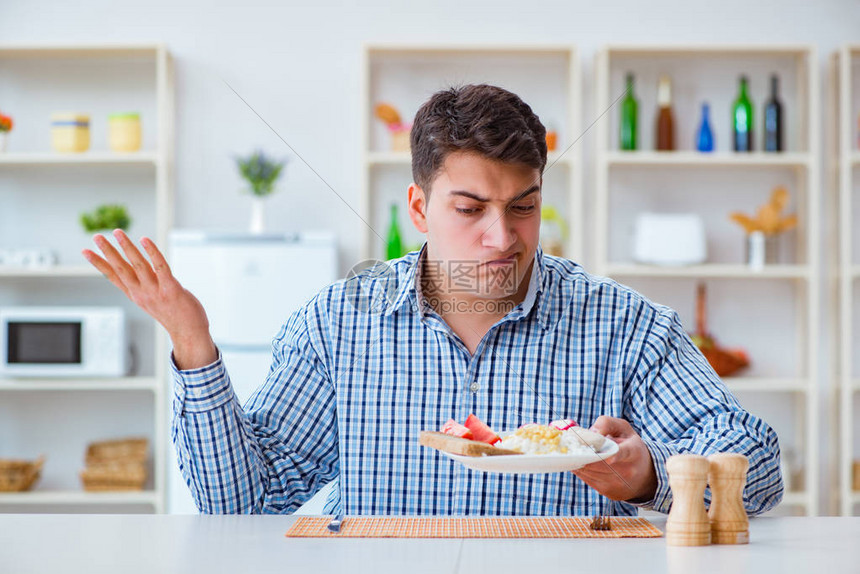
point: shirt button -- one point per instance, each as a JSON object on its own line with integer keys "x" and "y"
{"x": 474, "y": 387}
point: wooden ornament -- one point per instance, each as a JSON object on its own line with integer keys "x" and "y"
{"x": 727, "y": 477}
{"x": 687, "y": 524}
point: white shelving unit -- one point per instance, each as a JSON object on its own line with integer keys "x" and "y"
{"x": 35, "y": 81}
{"x": 712, "y": 185}
{"x": 845, "y": 89}
{"x": 545, "y": 77}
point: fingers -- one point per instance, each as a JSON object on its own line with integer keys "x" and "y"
{"x": 612, "y": 426}
{"x": 159, "y": 263}
{"x": 141, "y": 266}
{"x": 106, "y": 270}
{"x": 117, "y": 262}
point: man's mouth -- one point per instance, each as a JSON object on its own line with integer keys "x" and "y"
{"x": 507, "y": 260}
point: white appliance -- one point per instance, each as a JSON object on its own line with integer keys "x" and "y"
{"x": 669, "y": 239}
{"x": 249, "y": 286}
{"x": 63, "y": 342}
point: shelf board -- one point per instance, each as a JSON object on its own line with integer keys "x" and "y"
{"x": 78, "y": 497}
{"x": 80, "y": 51}
{"x": 766, "y": 384}
{"x": 405, "y": 158}
{"x": 713, "y": 159}
{"x": 87, "y": 158}
{"x": 467, "y": 49}
{"x": 58, "y": 271}
{"x": 711, "y": 270}
{"x": 700, "y": 50}
{"x": 118, "y": 384}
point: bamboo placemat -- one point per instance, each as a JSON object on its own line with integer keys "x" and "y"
{"x": 460, "y": 527}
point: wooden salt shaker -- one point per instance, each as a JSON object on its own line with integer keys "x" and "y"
{"x": 688, "y": 524}
{"x": 727, "y": 476}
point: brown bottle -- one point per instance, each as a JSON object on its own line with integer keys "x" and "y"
{"x": 665, "y": 132}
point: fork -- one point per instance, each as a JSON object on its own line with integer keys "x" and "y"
{"x": 600, "y": 522}
{"x": 334, "y": 525}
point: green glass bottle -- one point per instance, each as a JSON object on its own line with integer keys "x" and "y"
{"x": 394, "y": 247}
{"x": 629, "y": 118}
{"x": 742, "y": 118}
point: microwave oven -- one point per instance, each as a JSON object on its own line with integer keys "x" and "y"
{"x": 63, "y": 342}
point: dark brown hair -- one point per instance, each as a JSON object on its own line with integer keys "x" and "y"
{"x": 486, "y": 120}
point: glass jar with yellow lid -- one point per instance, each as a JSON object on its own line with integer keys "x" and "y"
{"x": 70, "y": 132}
{"x": 124, "y": 131}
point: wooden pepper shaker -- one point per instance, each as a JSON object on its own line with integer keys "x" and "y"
{"x": 727, "y": 477}
{"x": 688, "y": 524}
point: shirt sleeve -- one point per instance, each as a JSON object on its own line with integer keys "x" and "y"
{"x": 275, "y": 454}
{"x": 678, "y": 404}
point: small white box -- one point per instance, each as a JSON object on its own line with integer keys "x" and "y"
{"x": 669, "y": 239}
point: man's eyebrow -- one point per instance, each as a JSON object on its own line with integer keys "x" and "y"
{"x": 476, "y": 197}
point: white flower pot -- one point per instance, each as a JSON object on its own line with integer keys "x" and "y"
{"x": 258, "y": 219}
{"x": 3, "y": 137}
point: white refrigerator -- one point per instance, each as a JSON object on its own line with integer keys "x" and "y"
{"x": 249, "y": 285}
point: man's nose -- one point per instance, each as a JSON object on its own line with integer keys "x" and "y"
{"x": 500, "y": 234}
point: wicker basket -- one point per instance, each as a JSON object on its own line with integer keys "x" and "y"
{"x": 103, "y": 476}
{"x": 129, "y": 449}
{"x": 19, "y": 475}
{"x": 115, "y": 465}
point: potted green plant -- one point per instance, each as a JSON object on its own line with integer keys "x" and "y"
{"x": 105, "y": 218}
{"x": 261, "y": 173}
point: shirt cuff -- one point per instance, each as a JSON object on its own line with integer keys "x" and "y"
{"x": 202, "y": 389}
{"x": 662, "y": 500}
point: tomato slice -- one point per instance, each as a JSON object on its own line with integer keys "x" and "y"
{"x": 481, "y": 431}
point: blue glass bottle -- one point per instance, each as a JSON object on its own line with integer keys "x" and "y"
{"x": 706, "y": 136}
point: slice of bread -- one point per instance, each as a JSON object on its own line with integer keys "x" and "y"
{"x": 462, "y": 446}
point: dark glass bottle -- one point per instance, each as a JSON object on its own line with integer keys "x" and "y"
{"x": 394, "y": 246}
{"x": 665, "y": 132}
{"x": 705, "y": 141}
{"x": 628, "y": 136}
{"x": 773, "y": 118}
{"x": 742, "y": 119}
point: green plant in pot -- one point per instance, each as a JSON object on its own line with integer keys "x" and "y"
{"x": 261, "y": 173}
{"x": 104, "y": 219}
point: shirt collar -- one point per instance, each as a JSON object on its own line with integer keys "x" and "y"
{"x": 409, "y": 290}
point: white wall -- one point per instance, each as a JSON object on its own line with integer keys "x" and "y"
{"x": 298, "y": 66}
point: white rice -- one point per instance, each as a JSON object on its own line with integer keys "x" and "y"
{"x": 568, "y": 441}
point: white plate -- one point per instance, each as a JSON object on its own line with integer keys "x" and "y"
{"x": 535, "y": 463}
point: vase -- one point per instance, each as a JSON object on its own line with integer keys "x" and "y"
{"x": 3, "y": 137}
{"x": 258, "y": 221}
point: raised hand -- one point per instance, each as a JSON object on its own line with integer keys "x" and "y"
{"x": 153, "y": 288}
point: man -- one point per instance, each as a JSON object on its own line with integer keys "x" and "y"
{"x": 479, "y": 321}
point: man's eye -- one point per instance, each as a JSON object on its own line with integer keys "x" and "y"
{"x": 466, "y": 210}
{"x": 524, "y": 208}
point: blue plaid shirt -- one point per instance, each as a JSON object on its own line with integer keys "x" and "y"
{"x": 360, "y": 369}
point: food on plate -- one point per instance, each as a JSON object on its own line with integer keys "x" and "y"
{"x": 454, "y": 428}
{"x": 476, "y": 438}
{"x": 546, "y": 439}
{"x": 563, "y": 424}
{"x": 590, "y": 438}
{"x": 456, "y": 445}
{"x": 481, "y": 431}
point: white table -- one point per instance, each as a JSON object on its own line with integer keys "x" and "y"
{"x": 129, "y": 544}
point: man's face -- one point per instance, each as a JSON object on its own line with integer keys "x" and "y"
{"x": 483, "y": 217}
